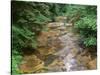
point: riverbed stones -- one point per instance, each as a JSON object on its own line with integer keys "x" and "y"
{"x": 45, "y": 36}
{"x": 46, "y": 51}
{"x": 92, "y": 64}
{"x": 30, "y": 64}
{"x": 58, "y": 24}
{"x": 56, "y": 66}
{"x": 57, "y": 51}
{"x": 61, "y": 19}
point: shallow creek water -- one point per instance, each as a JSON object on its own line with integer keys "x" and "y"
{"x": 70, "y": 51}
{"x": 62, "y": 54}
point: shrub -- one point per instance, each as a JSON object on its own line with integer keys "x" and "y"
{"x": 88, "y": 29}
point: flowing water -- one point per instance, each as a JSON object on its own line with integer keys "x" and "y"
{"x": 58, "y": 51}
{"x": 70, "y": 51}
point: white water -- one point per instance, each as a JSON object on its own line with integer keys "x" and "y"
{"x": 68, "y": 53}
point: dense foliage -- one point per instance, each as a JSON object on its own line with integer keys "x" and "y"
{"x": 30, "y": 18}
{"x": 87, "y": 26}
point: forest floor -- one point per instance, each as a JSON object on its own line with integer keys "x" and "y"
{"x": 58, "y": 51}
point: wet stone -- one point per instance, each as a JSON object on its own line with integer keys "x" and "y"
{"x": 59, "y": 49}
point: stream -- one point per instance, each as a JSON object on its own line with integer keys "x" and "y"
{"x": 69, "y": 52}
{"x": 58, "y": 51}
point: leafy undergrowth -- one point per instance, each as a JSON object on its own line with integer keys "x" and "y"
{"x": 29, "y": 19}
{"x": 16, "y": 58}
